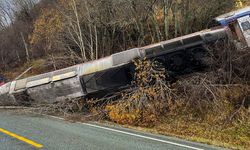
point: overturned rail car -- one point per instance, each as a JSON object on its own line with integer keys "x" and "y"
{"x": 109, "y": 73}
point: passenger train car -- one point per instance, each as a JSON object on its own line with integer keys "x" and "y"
{"x": 239, "y": 24}
{"x": 109, "y": 73}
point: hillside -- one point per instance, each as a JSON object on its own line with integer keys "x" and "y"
{"x": 65, "y": 33}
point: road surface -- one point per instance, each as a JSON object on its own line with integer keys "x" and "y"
{"x": 31, "y": 132}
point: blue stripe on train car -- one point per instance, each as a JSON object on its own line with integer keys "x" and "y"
{"x": 227, "y": 18}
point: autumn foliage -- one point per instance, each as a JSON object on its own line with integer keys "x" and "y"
{"x": 78, "y": 31}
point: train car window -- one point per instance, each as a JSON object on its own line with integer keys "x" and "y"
{"x": 20, "y": 84}
{"x": 153, "y": 50}
{"x": 245, "y": 25}
{"x": 113, "y": 78}
{"x": 107, "y": 79}
{"x": 173, "y": 45}
{"x": 192, "y": 40}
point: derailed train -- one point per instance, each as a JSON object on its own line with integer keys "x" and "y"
{"x": 109, "y": 73}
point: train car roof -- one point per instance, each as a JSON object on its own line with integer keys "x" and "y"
{"x": 188, "y": 36}
{"x": 227, "y": 18}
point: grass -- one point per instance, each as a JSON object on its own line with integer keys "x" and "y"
{"x": 233, "y": 136}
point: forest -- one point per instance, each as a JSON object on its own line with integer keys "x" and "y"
{"x": 67, "y": 32}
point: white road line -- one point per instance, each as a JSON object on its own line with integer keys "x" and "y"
{"x": 141, "y": 136}
{"x": 133, "y": 134}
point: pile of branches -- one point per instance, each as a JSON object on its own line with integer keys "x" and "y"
{"x": 64, "y": 107}
{"x": 219, "y": 103}
{"x": 152, "y": 96}
{"x": 73, "y": 109}
{"x": 220, "y": 94}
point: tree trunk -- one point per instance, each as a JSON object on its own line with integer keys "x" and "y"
{"x": 26, "y": 48}
{"x": 167, "y": 6}
{"x": 175, "y": 19}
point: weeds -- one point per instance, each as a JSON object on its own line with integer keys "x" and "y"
{"x": 210, "y": 107}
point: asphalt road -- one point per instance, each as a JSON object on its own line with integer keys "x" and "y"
{"x": 29, "y": 132}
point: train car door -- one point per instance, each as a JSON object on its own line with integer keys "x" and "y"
{"x": 244, "y": 23}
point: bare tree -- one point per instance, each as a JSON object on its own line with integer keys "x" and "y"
{"x": 75, "y": 30}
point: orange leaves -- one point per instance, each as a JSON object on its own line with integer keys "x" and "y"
{"x": 50, "y": 22}
{"x": 47, "y": 26}
{"x": 238, "y": 4}
{"x": 159, "y": 14}
{"x": 117, "y": 114}
{"x": 145, "y": 73}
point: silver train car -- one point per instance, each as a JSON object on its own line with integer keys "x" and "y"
{"x": 106, "y": 74}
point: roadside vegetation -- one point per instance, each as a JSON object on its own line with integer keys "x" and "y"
{"x": 210, "y": 106}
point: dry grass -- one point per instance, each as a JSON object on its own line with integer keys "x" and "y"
{"x": 210, "y": 107}
{"x": 235, "y": 136}
{"x": 217, "y": 115}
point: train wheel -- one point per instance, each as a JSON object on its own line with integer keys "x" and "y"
{"x": 198, "y": 54}
{"x": 159, "y": 64}
{"x": 177, "y": 63}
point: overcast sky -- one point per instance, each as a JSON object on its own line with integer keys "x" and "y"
{"x": 7, "y": 7}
